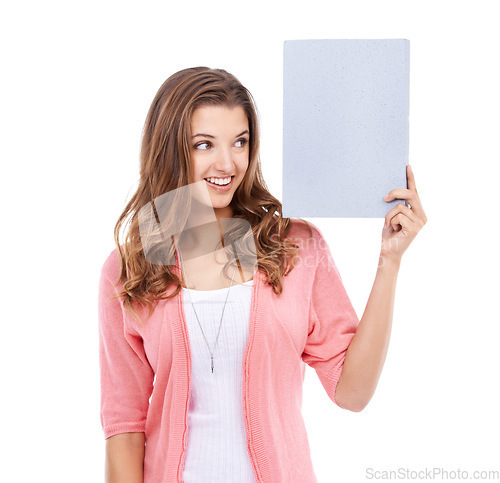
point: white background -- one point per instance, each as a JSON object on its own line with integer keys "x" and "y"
{"x": 77, "y": 81}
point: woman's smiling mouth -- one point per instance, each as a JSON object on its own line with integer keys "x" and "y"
{"x": 220, "y": 184}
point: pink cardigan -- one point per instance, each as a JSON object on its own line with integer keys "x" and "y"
{"x": 145, "y": 372}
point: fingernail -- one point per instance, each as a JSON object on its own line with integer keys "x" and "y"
{"x": 386, "y": 196}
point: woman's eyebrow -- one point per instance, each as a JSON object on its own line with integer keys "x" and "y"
{"x": 203, "y": 135}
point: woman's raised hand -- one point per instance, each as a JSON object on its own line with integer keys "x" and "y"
{"x": 402, "y": 223}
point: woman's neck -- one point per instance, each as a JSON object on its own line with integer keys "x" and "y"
{"x": 200, "y": 240}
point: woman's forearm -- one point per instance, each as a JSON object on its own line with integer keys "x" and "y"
{"x": 367, "y": 351}
{"x": 125, "y": 458}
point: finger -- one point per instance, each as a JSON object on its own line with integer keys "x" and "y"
{"x": 411, "y": 186}
{"x": 415, "y": 203}
{"x": 408, "y": 195}
{"x": 410, "y": 179}
{"x": 400, "y": 194}
{"x": 400, "y": 208}
{"x": 409, "y": 225}
{"x": 400, "y": 219}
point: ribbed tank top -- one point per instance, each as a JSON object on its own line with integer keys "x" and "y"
{"x": 216, "y": 438}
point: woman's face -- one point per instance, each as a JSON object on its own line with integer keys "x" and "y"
{"x": 220, "y": 152}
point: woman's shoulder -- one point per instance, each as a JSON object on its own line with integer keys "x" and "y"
{"x": 111, "y": 266}
{"x": 304, "y": 231}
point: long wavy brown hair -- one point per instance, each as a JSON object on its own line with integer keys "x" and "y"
{"x": 165, "y": 165}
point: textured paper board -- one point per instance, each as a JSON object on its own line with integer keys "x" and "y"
{"x": 345, "y": 126}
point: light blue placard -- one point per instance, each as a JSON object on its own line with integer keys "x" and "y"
{"x": 345, "y": 126}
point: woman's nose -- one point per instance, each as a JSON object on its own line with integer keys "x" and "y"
{"x": 224, "y": 161}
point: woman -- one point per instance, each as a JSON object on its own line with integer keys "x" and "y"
{"x": 214, "y": 303}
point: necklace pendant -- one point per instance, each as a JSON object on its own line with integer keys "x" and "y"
{"x": 192, "y": 304}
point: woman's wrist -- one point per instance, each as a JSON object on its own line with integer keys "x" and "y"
{"x": 386, "y": 260}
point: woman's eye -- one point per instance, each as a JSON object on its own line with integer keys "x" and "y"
{"x": 241, "y": 142}
{"x": 204, "y": 145}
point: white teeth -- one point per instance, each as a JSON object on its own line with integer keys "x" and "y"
{"x": 219, "y": 181}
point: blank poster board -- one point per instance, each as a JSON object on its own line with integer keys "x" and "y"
{"x": 345, "y": 126}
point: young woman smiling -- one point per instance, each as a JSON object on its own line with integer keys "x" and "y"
{"x": 202, "y": 362}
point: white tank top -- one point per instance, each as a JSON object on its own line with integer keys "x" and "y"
{"x": 216, "y": 438}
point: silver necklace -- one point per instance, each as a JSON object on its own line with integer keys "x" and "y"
{"x": 221, "y": 317}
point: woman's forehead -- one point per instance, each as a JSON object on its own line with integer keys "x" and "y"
{"x": 219, "y": 118}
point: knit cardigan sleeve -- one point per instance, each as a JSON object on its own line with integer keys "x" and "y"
{"x": 126, "y": 375}
{"x": 332, "y": 320}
